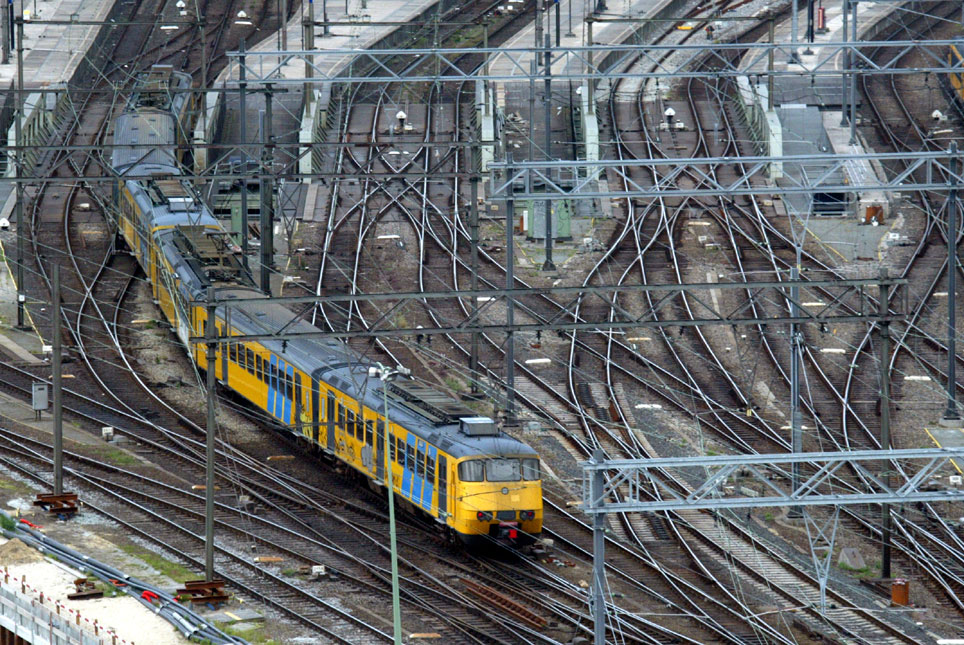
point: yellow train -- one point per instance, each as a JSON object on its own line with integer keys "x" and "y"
{"x": 953, "y": 81}
{"x": 448, "y": 463}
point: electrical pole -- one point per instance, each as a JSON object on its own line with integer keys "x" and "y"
{"x": 385, "y": 374}
{"x": 548, "y": 265}
{"x": 794, "y": 28}
{"x": 211, "y": 342}
{"x": 770, "y": 54}
{"x": 853, "y": 77}
{"x": 204, "y": 77}
{"x": 598, "y": 553}
{"x": 283, "y": 25}
{"x": 18, "y": 131}
{"x": 589, "y": 84}
{"x": 308, "y": 37}
{"x": 7, "y": 32}
{"x": 267, "y": 196}
{"x": 558, "y": 24}
{"x": 809, "y": 35}
{"x": 474, "y": 280}
{"x": 951, "y": 414}
{"x": 485, "y": 68}
{"x": 883, "y": 331}
{"x": 510, "y": 301}
{"x": 57, "y": 365}
{"x": 846, "y": 66}
{"x": 796, "y": 421}
{"x": 243, "y": 124}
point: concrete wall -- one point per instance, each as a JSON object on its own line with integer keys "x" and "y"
{"x": 25, "y": 612}
{"x": 764, "y": 124}
{"x": 40, "y": 115}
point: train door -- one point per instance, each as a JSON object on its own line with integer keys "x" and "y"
{"x": 429, "y": 479}
{"x": 407, "y": 459}
{"x": 155, "y": 286}
{"x": 315, "y": 413}
{"x": 380, "y": 450}
{"x": 443, "y": 488}
{"x": 289, "y": 395}
{"x": 330, "y": 420}
{"x": 298, "y": 421}
{"x": 222, "y": 351}
{"x": 273, "y": 395}
{"x": 370, "y": 445}
{"x": 418, "y": 471}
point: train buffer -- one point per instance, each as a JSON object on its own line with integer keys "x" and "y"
{"x": 86, "y": 589}
{"x": 63, "y": 505}
{"x": 204, "y": 591}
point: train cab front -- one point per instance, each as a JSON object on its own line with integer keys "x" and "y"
{"x": 499, "y": 500}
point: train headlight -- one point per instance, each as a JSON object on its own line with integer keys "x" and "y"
{"x": 483, "y": 516}
{"x": 528, "y": 515}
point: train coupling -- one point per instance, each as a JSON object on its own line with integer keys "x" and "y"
{"x": 508, "y": 530}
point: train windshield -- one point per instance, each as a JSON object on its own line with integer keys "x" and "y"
{"x": 502, "y": 470}
{"x": 499, "y": 470}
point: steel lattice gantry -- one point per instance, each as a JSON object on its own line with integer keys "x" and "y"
{"x": 867, "y": 57}
{"x": 838, "y": 301}
{"x": 652, "y": 485}
{"x": 937, "y": 168}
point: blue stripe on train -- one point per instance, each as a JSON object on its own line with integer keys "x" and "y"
{"x": 430, "y": 454}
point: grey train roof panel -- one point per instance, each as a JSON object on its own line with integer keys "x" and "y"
{"x": 148, "y": 127}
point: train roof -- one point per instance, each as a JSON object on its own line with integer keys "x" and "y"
{"x": 430, "y": 414}
{"x": 144, "y": 140}
{"x": 202, "y": 255}
{"x": 161, "y": 88}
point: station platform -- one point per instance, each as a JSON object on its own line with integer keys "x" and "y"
{"x": 52, "y": 53}
{"x": 807, "y": 116}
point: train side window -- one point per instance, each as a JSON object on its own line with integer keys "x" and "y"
{"x": 391, "y": 447}
{"x": 232, "y": 352}
{"x": 429, "y": 468}
{"x": 420, "y": 460}
{"x": 472, "y": 471}
{"x": 297, "y": 388}
{"x": 369, "y": 432}
{"x": 341, "y": 416}
{"x": 410, "y": 457}
{"x": 249, "y": 360}
{"x": 530, "y": 469}
{"x": 350, "y": 423}
{"x": 259, "y": 366}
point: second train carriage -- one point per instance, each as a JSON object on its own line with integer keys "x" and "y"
{"x": 446, "y": 461}
{"x": 953, "y": 82}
